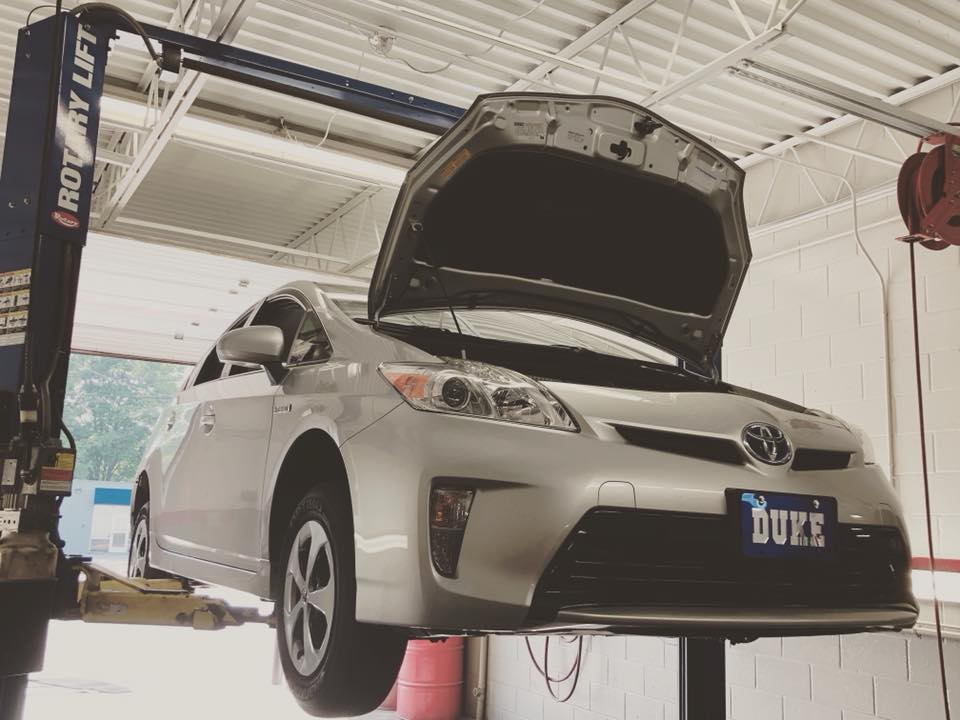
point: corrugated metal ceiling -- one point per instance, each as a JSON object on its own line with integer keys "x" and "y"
{"x": 450, "y": 50}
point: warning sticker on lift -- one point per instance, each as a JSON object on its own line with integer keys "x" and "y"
{"x": 56, "y": 471}
{"x": 14, "y": 306}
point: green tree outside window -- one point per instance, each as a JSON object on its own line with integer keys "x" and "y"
{"x": 112, "y": 407}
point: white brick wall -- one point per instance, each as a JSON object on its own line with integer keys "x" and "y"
{"x": 855, "y": 677}
{"x": 623, "y": 678}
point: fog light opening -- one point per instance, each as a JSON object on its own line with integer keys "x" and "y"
{"x": 449, "y": 510}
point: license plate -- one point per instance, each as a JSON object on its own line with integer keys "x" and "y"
{"x": 777, "y": 525}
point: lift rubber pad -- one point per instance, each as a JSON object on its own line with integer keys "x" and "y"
{"x": 25, "y": 609}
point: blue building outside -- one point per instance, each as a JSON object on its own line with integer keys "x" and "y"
{"x": 96, "y": 518}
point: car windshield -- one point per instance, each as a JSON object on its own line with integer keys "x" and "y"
{"x": 533, "y": 328}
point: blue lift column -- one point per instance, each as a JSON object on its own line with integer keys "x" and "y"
{"x": 45, "y": 192}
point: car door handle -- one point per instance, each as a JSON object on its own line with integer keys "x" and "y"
{"x": 207, "y": 421}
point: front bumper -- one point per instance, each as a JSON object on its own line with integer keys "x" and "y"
{"x": 533, "y": 488}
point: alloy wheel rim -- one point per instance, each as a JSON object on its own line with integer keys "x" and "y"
{"x": 308, "y": 597}
{"x": 138, "y": 550}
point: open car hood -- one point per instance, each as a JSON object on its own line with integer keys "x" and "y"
{"x": 588, "y": 207}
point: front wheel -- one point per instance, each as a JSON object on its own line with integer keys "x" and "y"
{"x": 138, "y": 560}
{"x": 335, "y": 666}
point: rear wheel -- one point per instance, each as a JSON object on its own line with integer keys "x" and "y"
{"x": 335, "y": 666}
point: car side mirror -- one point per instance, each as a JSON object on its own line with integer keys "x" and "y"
{"x": 254, "y": 346}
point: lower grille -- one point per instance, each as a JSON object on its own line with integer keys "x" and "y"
{"x": 622, "y": 557}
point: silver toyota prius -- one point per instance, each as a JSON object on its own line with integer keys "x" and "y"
{"x": 525, "y": 429}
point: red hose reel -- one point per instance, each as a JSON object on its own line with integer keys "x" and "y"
{"x": 928, "y": 191}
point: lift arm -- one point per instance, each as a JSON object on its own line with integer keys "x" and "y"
{"x": 104, "y": 597}
{"x": 303, "y": 81}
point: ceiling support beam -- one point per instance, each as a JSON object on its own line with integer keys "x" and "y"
{"x": 229, "y": 239}
{"x": 846, "y": 100}
{"x": 742, "y": 19}
{"x": 590, "y": 37}
{"x": 668, "y": 73}
{"x": 771, "y": 17}
{"x": 806, "y": 173}
{"x": 717, "y": 66}
{"x": 551, "y": 59}
{"x": 112, "y": 157}
{"x": 345, "y": 209}
{"x": 900, "y": 98}
{"x": 360, "y": 262}
{"x": 225, "y": 28}
{"x": 857, "y": 152}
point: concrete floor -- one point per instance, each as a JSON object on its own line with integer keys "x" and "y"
{"x": 116, "y": 672}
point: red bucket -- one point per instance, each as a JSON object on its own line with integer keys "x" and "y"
{"x": 431, "y": 680}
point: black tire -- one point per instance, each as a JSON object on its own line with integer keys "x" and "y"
{"x": 357, "y": 663}
{"x": 138, "y": 556}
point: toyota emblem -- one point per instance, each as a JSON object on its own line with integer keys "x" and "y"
{"x": 767, "y": 443}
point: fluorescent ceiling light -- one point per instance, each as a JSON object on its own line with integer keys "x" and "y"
{"x": 254, "y": 143}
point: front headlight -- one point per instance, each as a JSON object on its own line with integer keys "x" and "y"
{"x": 866, "y": 444}
{"x": 464, "y": 387}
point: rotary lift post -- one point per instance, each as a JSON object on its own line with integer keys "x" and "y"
{"x": 46, "y": 189}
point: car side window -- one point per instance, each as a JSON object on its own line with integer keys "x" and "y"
{"x": 210, "y": 370}
{"x": 311, "y": 343}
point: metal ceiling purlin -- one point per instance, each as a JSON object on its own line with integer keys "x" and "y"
{"x": 225, "y": 28}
